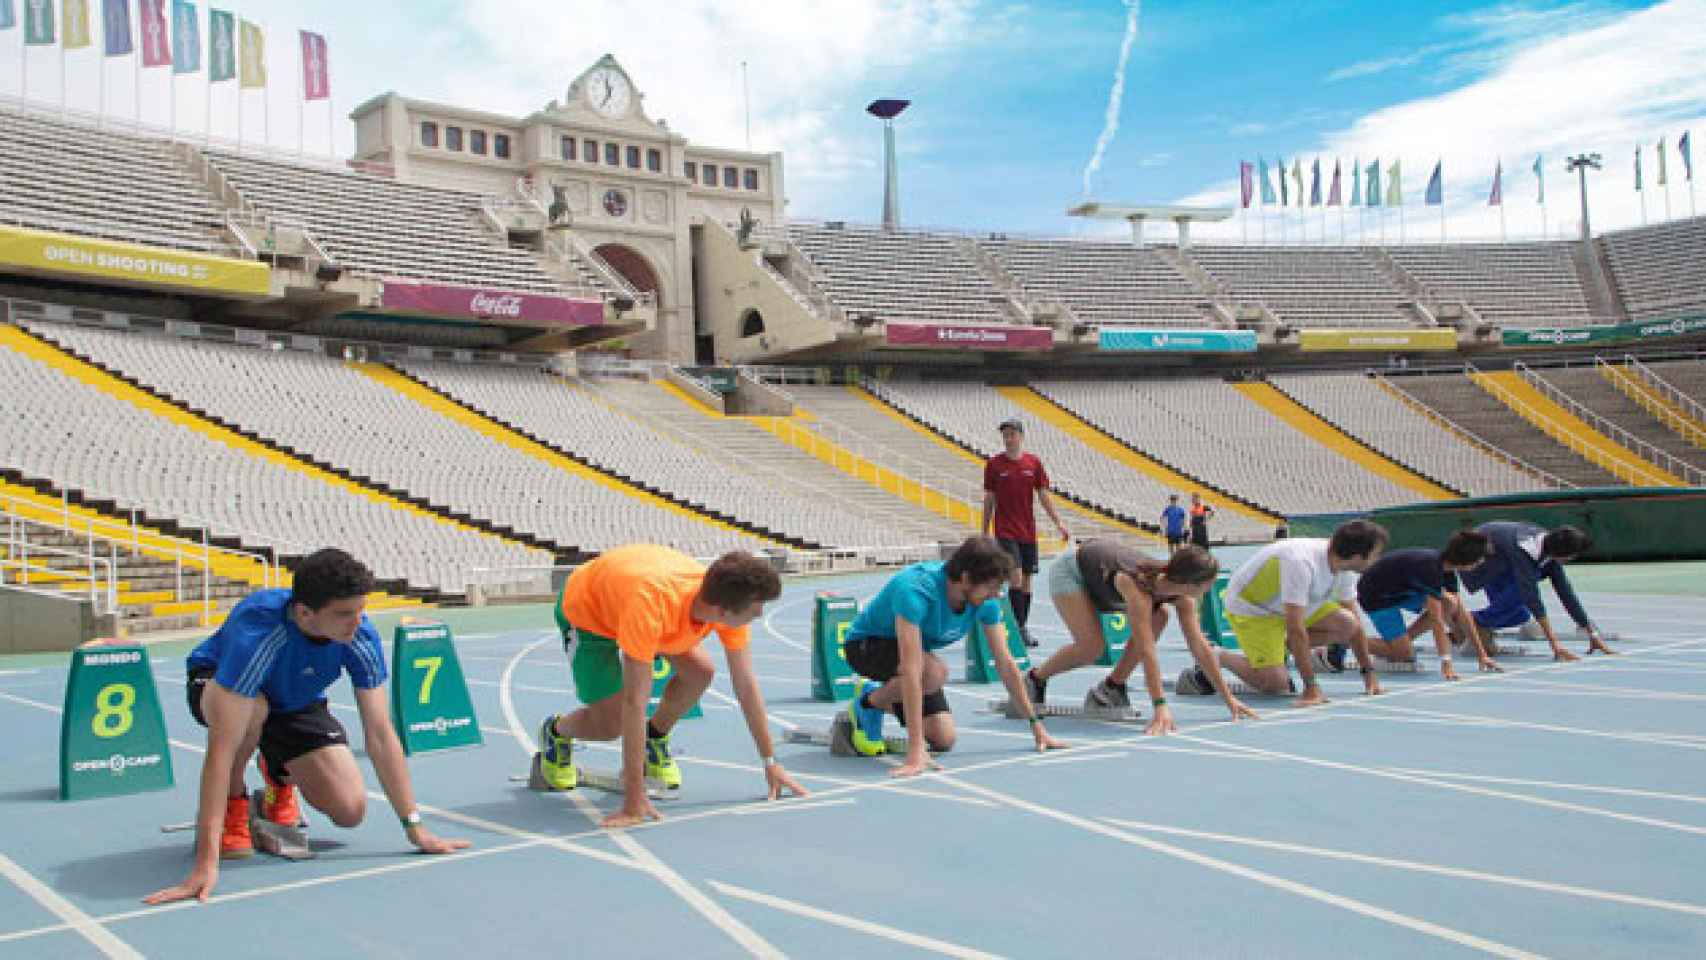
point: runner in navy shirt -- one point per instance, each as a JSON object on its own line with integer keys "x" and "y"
{"x": 1424, "y": 582}
{"x": 260, "y": 682}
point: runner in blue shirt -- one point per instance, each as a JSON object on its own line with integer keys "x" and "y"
{"x": 922, "y": 609}
{"x": 260, "y": 682}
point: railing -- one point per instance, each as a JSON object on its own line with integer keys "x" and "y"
{"x": 17, "y": 558}
{"x": 1641, "y": 448}
{"x": 1649, "y": 380}
{"x": 853, "y": 454}
{"x": 1469, "y": 436}
{"x": 63, "y": 223}
{"x": 529, "y": 580}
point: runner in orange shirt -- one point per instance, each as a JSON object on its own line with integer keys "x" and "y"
{"x": 620, "y": 612}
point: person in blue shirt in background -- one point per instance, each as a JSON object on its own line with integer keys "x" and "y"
{"x": 260, "y": 682}
{"x": 1173, "y": 523}
{"x": 924, "y": 608}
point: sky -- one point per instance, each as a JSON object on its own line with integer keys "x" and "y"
{"x": 1021, "y": 109}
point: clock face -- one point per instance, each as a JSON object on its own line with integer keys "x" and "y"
{"x": 616, "y": 203}
{"x": 608, "y": 92}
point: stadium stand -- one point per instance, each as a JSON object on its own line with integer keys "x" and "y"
{"x": 1307, "y": 286}
{"x": 1511, "y": 284}
{"x": 1362, "y": 406}
{"x": 374, "y": 431}
{"x": 83, "y": 433}
{"x": 1206, "y": 429}
{"x": 1458, "y": 399}
{"x": 1657, "y": 268}
{"x": 899, "y": 275}
{"x": 73, "y": 178}
{"x": 968, "y": 413}
{"x": 574, "y": 419}
{"x": 1588, "y": 387}
{"x": 1102, "y": 282}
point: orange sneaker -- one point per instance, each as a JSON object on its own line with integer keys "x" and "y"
{"x": 234, "y": 841}
{"x": 279, "y": 802}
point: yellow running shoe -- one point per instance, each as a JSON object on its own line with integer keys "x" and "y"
{"x": 660, "y": 765}
{"x": 556, "y": 760}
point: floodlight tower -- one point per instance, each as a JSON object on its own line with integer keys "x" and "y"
{"x": 1579, "y": 165}
{"x": 886, "y": 111}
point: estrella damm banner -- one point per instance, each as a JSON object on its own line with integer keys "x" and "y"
{"x": 1315, "y": 340}
{"x": 61, "y": 254}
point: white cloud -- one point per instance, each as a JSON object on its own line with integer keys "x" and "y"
{"x": 1369, "y": 68}
{"x": 1605, "y": 88}
{"x": 812, "y": 68}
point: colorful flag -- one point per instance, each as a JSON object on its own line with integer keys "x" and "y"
{"x": 1687, "y": 158}
{"x": 1661, "y": 161}
{"x": 186, "y": 38}
{"x": 1637, "y": 168}
{"x": 1436, "y": 190}
{"x": 38, "y": 22}
{"x": 1395, "y": 185}
{"x": 317, "y": 72}
{"x": 221, "y": 45}
{"x": 8, "y": 16}
{"x": 1333, "y": 199}
{"x": 1539, "y": 181}
{"x": 1285, "y": 189}
{"x": 253, "y": 72}
{"x": 1246, "y": 183}
{"x": 1373, "y": 198}
{"x": 1315, "y": 183}
{"x": 115, "y": 18}
{"x": 1356, "y": 182}
{"x": 1297, "y": 177}
{"x": 1497, "y": 197}
{"x": 76, "y": 16}
{"x": 1267, "y": 185}
{"x": 156, "y": 44}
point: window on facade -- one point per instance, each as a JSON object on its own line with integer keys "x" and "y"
{"x": 751, "y": 179}
{"x": 453, "y": 138}
{"x": 612, "y": 155}
{"x": 654, "y": 161}
{"x": 500, "y": 146}
{"x": 710, "y": 174}
{"x": 429, "y": 134}
{"x": 591, "y": 153}
{"x": 692, "y": 171}
{"x": 568, "y": 147}
{"x": 731, "y": 177}
{"x": 634, "y": 158}
{"x": 477, "y": 142}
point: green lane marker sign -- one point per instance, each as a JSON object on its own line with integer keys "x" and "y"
{"x": 832, "y": 618}
{"x": 112, "y": 736}
{"x": 1116, "y": 633}
{"x": 430, "y": 704}
{"x": 662, "y": 670}
{"x": 980, "y": 662}
{"x": 1212, "y": 615}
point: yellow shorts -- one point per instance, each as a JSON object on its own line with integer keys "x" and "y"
{"x": 1262, "y": 639}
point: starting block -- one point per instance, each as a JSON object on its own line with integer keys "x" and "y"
{"x": 1082, "y": 712}
{"x": 291, "y": 843}
{"x": 980, "y": 662}
{"x": 596, "y": 779}
{"x": 839, "y": 739}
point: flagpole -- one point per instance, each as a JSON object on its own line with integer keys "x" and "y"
{"x": 1501, "y": 219}
{"x": 137, "y": 39}
{"x": 1643, "y": 194}
{"x": 1667, "y": 197}
{"x": 301, "y": 99}
{"x": 62, "y": 39}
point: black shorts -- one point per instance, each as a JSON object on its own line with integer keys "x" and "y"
{"x": 1175, "y": 541}
{"x": 1024, "y": 553}
{"x": 878, "y": 658}
{"x": 284, "y": 736}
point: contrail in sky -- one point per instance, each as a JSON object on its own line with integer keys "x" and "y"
{"x": 1111, "y": 125}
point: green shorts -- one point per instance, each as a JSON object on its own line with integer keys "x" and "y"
{"x": 594, "y": 660}
{"x": 1262, "y": 639}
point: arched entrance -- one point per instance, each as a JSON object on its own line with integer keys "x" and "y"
{"x": 633, "y": 267}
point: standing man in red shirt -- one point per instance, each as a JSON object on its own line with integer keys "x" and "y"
{"x": 1012, "y": 479}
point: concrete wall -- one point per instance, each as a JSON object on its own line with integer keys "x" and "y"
{"x": 37, "y": 621}
{"x": 752, "y": 398}
{"x": 731, "y": 282}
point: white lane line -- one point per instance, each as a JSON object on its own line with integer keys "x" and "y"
{"x": 84, "y": 925}
{"x": 1416, "y": 866}
{"x": 1658, "y": 738}
{"x": 695, "y": 898}
{"x": 1266, "y": 879}
{"x": 1387, "y": 774}
{"x": 1623, "y": 691}
{"x": 784, "y": 806}
{"x": 1556, "y": 785}
{"x": 798, "y": 909}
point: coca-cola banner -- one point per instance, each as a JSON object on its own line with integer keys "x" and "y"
{"x": 943, "y": 337}
{"x": 496, "y": 306}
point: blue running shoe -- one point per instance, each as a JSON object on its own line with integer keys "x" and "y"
{"x": 867, "y": 722}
